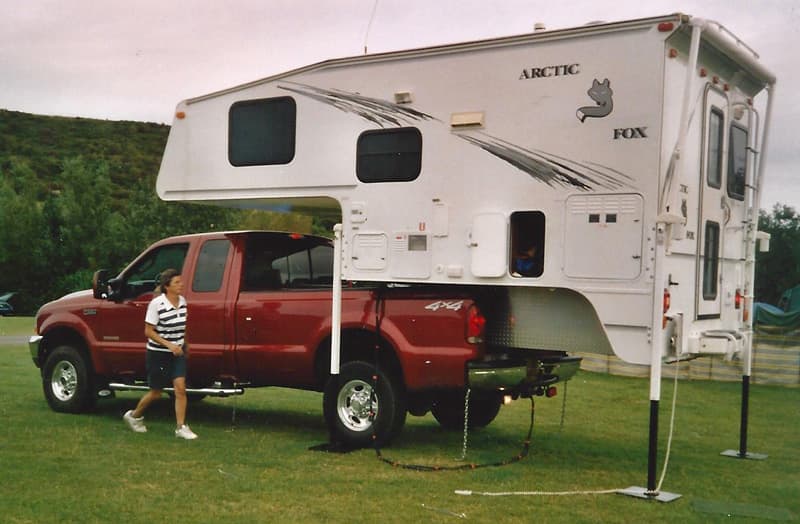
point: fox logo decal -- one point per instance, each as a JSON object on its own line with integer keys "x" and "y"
{"x": 601, "y": 93}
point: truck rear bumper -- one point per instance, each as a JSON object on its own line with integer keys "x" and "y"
{"x": 498, "y": 376}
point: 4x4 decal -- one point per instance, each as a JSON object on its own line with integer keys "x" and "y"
{"x": 443, "y": 304}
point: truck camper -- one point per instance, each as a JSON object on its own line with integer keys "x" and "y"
{"x": 625, "y": 154}
{"x": 598, "y": 186}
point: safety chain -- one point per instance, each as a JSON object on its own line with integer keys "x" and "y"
{"x": 466, "y": 425}
{"x": 423, "y": 467}
{"x": 526, "y": 445}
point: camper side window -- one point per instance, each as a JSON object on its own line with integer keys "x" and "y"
{"x": 711, "y": 261}
{"x": 262, "y": 132}
{"x": 737, "y": 162}
{"x": 389, "y": 155}
{"x": 527, "y": 244}
{"x": 714, "y": 163}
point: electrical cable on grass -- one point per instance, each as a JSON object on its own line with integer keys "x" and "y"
{"x": 671, "y": 428}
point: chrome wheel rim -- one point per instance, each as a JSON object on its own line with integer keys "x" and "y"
{"x": 64, "y": 380}
{"x": 356, "y": 405}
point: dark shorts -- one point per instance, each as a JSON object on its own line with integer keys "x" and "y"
{"x": 163, "y": 368}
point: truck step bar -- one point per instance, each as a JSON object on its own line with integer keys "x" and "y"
{"x": 212, "y": 392}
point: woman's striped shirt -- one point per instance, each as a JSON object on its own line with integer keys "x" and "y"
{"x": 169, "y": 321}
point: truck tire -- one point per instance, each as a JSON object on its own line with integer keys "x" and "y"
{"x": 448, "y": 409}
{"x": 67, "y": 381}
{"x": 349, "y": 398}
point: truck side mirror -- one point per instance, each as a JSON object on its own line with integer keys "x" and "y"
{"x": 100, "y": 287}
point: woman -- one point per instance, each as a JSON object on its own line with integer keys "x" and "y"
{"x": 165, "y": 329}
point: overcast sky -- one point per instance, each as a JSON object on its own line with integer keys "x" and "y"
{"x": 135, "y": 60}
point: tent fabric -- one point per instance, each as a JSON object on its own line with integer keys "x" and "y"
{"x": 790, "y": 300}
{"x": 783, "y": 318}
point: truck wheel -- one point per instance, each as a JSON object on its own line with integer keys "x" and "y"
{"x": 448, "y": 409}
{"x": 350, "y": 399}
{"x": 66, "y": 381}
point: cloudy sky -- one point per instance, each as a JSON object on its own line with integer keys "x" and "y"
{"x": 135, "y": 60}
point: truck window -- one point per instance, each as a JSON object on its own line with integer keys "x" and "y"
{"x": 143, "y": 276}
{"x": 737, "y": 162}
{"x": 389, "y": 155}
{"x": 322, "y": 265}
{"x": 714, "y": 165}
{"x": 272, "y": 263}
{"x": 527, "y": 244}
{"x": 211, "y": 266}
{"x": 262, "y": 132}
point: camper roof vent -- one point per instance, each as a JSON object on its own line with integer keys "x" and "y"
{"x": 539, "y": 26}
{"x": 403, "y": 97}
{"x": 472, "y": 119}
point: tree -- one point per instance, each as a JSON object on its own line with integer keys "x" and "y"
{"x": 24, "y": 241}
{"x": 778, "y": 269}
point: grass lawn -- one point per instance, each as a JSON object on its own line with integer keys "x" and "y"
{"x": 16, "y": 326}
{"x": 252, "y": 463}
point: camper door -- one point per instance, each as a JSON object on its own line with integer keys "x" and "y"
{"x": 714, "y": 211}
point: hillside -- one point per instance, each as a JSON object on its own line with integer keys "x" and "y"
{"x": 132, "y": 150}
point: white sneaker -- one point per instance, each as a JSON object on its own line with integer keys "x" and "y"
{"x": 185, "y": 432}
{"x": 136, "y": 424}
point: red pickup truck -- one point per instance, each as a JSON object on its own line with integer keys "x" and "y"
{"x": 260, "y": 315}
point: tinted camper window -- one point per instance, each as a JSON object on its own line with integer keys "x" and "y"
{"x": 737, "y": 162}
{"x": 389, "y": 155}
{"x": 711, "y": 261}
{"x": 262, "y": 132}
{"x": 714, "y": 165}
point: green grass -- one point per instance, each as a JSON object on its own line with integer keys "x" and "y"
{"x": 252, "y": 464}
{"x": 16, "y": 326}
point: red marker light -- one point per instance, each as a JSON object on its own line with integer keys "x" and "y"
{"x": 666, "y": 27}
{"x": 476, "y": 323}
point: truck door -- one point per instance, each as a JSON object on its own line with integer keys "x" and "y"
{"x": 208, "y": 329}
{"x": 119, "y": 323}
{"x": 714, "y": 210}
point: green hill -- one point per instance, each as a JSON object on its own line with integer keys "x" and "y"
{"x": 131, "y": 150}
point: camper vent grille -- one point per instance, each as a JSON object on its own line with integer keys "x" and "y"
{"x": 622, "y": 204}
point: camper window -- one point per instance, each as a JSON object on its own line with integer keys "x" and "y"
{"x": 527, "y": 244}
{"x": 389, "y": 155}
{"x": 711, "y": 261}
{"x": 714, "y": 163}
{"x": 262, "y": 132}
{"x": 737, "y": 162}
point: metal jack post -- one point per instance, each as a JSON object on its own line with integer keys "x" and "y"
{"x": 742, "y": 452}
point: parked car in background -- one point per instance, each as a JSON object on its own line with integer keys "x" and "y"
{"x": 6, "y": 309}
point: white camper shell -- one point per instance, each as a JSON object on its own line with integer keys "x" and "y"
{"x": 602, "y": 180}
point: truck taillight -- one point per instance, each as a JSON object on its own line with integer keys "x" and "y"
{"x": 476, "y": 322}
